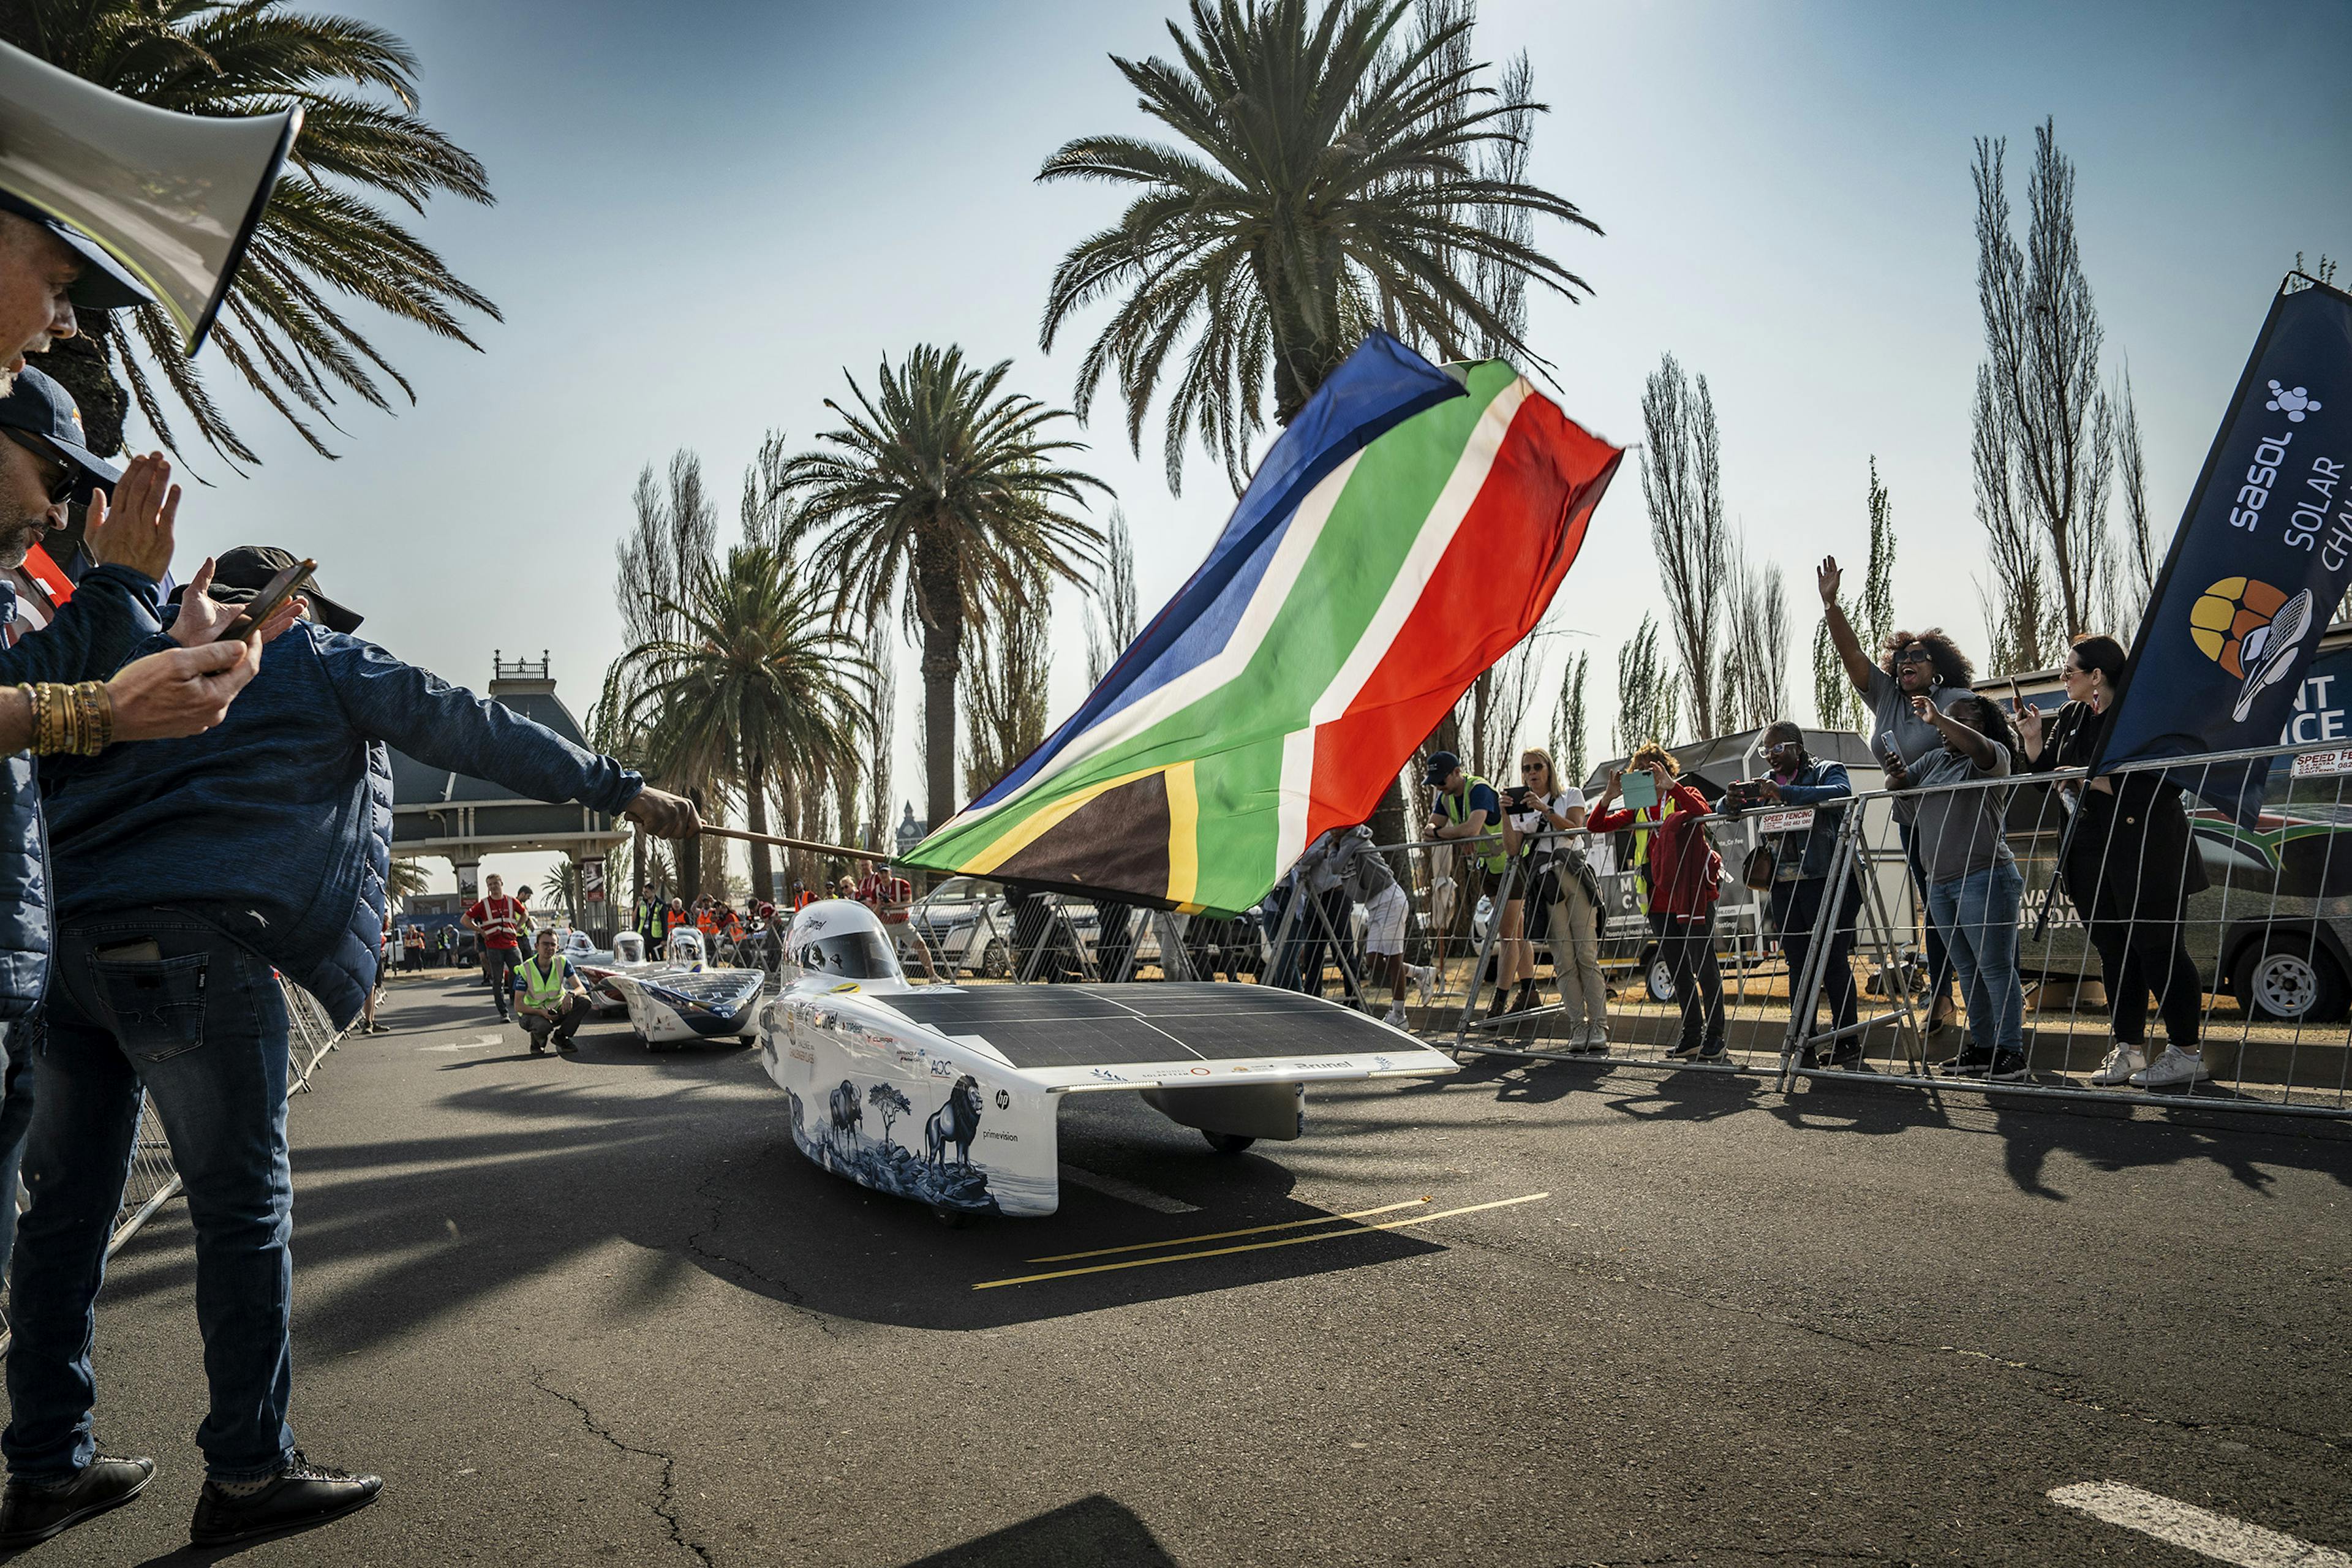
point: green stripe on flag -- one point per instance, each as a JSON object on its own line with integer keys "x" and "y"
{"x": 1235, "y": 734}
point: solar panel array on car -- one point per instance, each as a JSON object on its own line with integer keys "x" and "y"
{"x": 1106, "y": 1025}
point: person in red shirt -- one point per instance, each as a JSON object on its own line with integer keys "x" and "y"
{"x": 500, "y": 920}
{"x": 889, "y": 897}
{"x": 1683, "y": 875}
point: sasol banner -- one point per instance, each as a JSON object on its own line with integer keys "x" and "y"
{"x": 2261, "y": 562}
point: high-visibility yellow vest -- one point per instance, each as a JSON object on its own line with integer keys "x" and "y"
{"x": 1457, "y": 810}
{"x": 1641, "y": 837}
{"x": 541, "y": 991}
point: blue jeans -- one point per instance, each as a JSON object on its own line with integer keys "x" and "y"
{"x": 15, "y": 1116}
{"x": 204, "y": 1031}
{"x": 1978, "y": 915}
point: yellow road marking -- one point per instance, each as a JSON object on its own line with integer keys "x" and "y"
{"x": 1225, "y": 1234}
{"x": 1262, "y": 1245}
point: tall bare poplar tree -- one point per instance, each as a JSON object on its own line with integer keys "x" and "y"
{"x": 673, "y": 539}
{"x": 1649, "y": 708}
{"x": 2044, "y": 438}
{"x": 1871, "y": 617}
{"x": 1004, "y": 695}
{"x": 1753, "y": 686}
{"x": 1570, "y": 736}
{"x": 883, "y": 730}
{"x": 1682, "y": 485}
{"x": 1114, "y": 592}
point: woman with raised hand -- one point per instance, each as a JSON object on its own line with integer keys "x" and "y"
{"x": 1912, "y": 664}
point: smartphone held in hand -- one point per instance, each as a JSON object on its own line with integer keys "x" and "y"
{"x": 281, "y": 588}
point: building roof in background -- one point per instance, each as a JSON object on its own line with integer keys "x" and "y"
{"x": 1714, "y": 762}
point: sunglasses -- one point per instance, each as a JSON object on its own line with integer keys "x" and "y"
{"x": 71, "y": 485}
{"x": 1915, "y": 656}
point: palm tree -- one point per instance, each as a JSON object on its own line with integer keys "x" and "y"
{"x": 944, "y": 478}
{"x": 323, "y": 241}
{"x": 755, "y": 682}
{"x": 1331, "y": 177}
{"x": 406, "y": 879}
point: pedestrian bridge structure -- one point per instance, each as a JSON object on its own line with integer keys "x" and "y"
{"x": 459, "y": 818}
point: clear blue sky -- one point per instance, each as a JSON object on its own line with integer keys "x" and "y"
{"x": 705, "y": 213}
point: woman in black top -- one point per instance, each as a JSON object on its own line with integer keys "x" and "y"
{"x": 2130, "y": 866}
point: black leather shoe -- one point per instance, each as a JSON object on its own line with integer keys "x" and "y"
{"x": 30, "y": 1514}
{"x": 300, "y": 1494}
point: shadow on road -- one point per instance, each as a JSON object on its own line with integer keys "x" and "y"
{"x": 1093, "y": 1532}
{"x": 686, "y": 1158}
{"x": 2102, "y": 1134}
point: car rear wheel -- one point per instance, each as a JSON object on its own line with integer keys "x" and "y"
{"x": 995, "y": 963}
{"x": 2290, "y": 979}
{"x": 1228, "y": 1142}
{"x": 1660, "y": 979}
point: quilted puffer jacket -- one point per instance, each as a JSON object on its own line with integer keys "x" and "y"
{"x": 277, "y": 826}
{"x": 111, "y": 612}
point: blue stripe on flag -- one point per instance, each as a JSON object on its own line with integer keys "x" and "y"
{"x": 1379, "y": 386}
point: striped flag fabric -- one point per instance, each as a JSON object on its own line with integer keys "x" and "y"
{"x": 1408, "y": 529}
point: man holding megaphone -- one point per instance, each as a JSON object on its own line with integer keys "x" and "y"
{"x": 66, "y": 689}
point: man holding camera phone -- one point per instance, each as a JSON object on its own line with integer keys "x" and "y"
{"x": 188, "y": 870}
{"x": 1463, "y": 806}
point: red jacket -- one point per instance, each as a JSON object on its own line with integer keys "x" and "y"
{"x": 1685, "y": 874}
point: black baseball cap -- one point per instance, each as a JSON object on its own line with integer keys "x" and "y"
{"x": 240, "y": 574}
{"x": 1441, "y": 766}
{"x": 38, "y": 404}
{"x": 104, "y": 283}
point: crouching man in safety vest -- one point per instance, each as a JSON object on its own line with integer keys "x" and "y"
{"x": 551, "y": 999}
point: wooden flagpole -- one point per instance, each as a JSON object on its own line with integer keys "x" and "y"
{"x": 710, "y": 832}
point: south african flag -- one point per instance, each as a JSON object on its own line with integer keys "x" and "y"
{"x": 1407, "y": 529}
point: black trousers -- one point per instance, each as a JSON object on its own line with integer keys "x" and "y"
{"x": 1687, "y": 946}
{"x": 1796, "y": 915}
{"x": 2144, "y": 953}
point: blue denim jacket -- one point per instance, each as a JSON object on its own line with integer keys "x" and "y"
{"x": 277, "y": 826}
{"x": 111, "y": 612}
{"x": 1818, "y": 783}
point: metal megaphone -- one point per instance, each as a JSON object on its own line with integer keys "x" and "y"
{"x": 173, "y": 197}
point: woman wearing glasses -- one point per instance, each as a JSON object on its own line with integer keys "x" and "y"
{"x": 2130, "y": 866}
{"x": 1922, "y": 664}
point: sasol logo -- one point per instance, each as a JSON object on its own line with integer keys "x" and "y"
{"x": 2292, "y": 401}
{"x": 2261, "y": 475}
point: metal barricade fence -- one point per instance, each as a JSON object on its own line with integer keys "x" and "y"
{"x": 2119, "y": 917}
{"x": 2247, "y": 931}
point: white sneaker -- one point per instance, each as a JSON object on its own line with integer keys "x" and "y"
{"x": 1424, "y": 981}
{"x": 2121, "y": 1063}
{"x": 2173, "y": 1069}
{"x": 1395, "y": 1019}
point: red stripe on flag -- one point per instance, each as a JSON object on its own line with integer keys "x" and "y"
{"x": 1493, "y": 583}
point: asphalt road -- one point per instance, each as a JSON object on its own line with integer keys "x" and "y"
{"x": 600, "y": 1310}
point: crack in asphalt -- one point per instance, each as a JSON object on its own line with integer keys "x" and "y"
{"x": 664, "y": 1503}
{"x": 791, "y": 1293}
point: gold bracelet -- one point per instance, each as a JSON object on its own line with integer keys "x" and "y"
{"x": 101, "y": 703}
{"x": 46, "y": 730}
{"x": 90, "y": 719}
